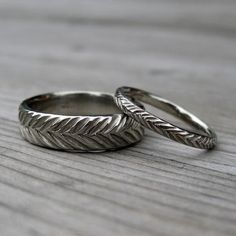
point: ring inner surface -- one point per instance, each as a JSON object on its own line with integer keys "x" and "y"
{"x": 169, "y": 110}
{"x": 75, "y": 104}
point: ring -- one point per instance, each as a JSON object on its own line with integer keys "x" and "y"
{"x": 77, "y": 121}
{"x": 203, "y": 137}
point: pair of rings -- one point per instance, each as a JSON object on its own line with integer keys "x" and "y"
{"x": 96, "y": 122}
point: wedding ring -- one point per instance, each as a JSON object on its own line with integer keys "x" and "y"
{"x": 77, "y": 121}
{"x": 202, "y": 137}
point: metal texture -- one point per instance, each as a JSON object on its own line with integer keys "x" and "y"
{"x": 203, "y": 137}
{"x": 41, "y": 125}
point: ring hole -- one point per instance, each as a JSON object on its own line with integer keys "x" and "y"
{"x": 177, "y": 121}
{"x": 75, "y": 104}
{"x": 171, "y": 113}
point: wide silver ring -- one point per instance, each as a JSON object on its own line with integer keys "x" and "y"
{"x": 204, "y": 137}
{"x": 77, "y": 121}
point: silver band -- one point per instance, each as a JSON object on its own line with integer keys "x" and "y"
{"x": 204, "y": 137}
{"x": 77, "y": 121}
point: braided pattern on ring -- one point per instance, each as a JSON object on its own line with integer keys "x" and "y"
{"x": 80, "y": 133}
{"x": 162, "y": 127}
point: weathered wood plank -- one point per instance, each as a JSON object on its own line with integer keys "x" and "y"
{"x": 183, "y": 50}
{"x": 210, "y": 15}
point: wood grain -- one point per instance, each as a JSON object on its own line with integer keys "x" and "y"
{"x": 182, "y": 50}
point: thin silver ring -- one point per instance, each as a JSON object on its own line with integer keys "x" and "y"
{"x": 204, "y": 137}
{"x": 78, "y": 122}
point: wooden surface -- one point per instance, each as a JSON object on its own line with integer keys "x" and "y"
{"x": 182, "y": 50}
